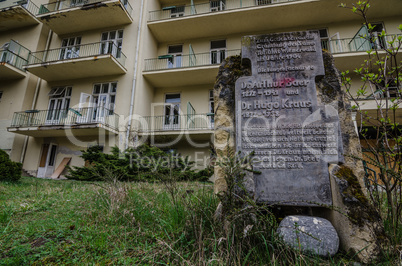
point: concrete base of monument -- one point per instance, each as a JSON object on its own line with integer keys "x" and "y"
{"x": 359, "y": 226}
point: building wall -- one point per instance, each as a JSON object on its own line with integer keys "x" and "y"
{"x": 17, "y": 94}
{"x": 148, "y": 99}
{"x": 70, "y": 145}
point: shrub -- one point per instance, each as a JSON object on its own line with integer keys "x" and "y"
{"x": 144, "y": 163}
{"x": 9, "y": 170}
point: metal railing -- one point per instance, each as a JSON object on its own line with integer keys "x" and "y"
{"x": 66, "y": 4}
{"x": 78, "y": 51}
{"x": 362, "y": 44}
{"x": 175, "y": 122}
{"x": 28, "y": 5}
{"x": 14, "y": 54}
{"x": 208, "y": 7}
{"x": 182, "y": 61}
{"x": 66, "y": 117}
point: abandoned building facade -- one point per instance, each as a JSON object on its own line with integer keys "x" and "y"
{"x": 77, "y": 73}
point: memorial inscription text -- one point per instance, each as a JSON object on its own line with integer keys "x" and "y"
{"x": 279, "y": 120}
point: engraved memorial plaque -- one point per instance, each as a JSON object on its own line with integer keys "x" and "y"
{"x": 278, "y": 118}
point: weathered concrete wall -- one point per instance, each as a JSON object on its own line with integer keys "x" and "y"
{"x": 359, "y": 226}
{"x": 224, "y": 98}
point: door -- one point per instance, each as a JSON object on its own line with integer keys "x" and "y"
{"x": 100, "y": 107}
{"x": 47, "y": 160}
{"x": 7, "y": 54}
{"x": 58, "y": 108}
{"x": 218, "y": 51}
{"x": 70, "y": 48}
{"x": 85, "y": 108}
{"x": 176, "y": 52}
{"x": 59, "y": 102}
{"x": 217, "y": 5}
{"x": 359, "y": 41}
{"x": 378, "y": 42}
{"x": 177, "y": 11}
{"x": 171, "y": 117}
{"x": 211, "y": 109}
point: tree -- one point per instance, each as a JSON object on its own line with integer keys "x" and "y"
{"x": 379, "y": 128}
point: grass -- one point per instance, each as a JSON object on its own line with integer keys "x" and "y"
{"x": 68, "y": 222}
{"x": 49, "y": 222}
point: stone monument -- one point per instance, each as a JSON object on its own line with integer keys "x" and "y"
{"x": 279, "y": 119}
{"x": 283, "y": 104}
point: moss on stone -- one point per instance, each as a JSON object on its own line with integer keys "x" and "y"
{"x": 360, "y": 210}
{"x": 329, "y": 83}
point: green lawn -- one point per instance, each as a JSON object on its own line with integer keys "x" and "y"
{"x": 69, "y": 222}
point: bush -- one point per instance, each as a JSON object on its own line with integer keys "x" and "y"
{"x": 9, "y": 170}
{"x": 144, "y": 163}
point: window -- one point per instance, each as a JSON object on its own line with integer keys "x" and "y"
{"x": 170, "y": 150}
{"x": 263, "y": 2}
{"x": 111, "y": 43}
{"x": 104, "y": 99}
{"x": 390, "y": 91}
{"x": 218, "y": 51}
{"x": 96, "y": 146}
{"x": 176, "y": 55}
{"x": 59, "y": 102}
{"x": 217, "y": 5}
{"x": 362, "y": 42}
{"x": 74, "y": 3}
{"x": 70, "y": 48}
{"x": 177, "y": 11}
{"x": 5, "y": 56}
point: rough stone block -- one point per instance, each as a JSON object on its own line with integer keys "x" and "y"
{"x": 310, "y": 235}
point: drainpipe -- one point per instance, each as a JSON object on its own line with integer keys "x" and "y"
{"x": 137, "y": 49}
{"x": 38, "y": 83}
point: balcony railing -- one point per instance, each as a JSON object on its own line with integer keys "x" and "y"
{"x": 175, "y": 123}
{"x": 209, "y": 7}
{"x": 14, "y": 54}
{"x": 67, "y": 4}
{"x": 69, "y": 117}
{"x": 78, "y": 51}
{"x": 360, "y": 44}
{"x": 28, "y": 5}
{"x": 182, "y": 61}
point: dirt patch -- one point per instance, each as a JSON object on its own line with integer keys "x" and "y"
{"x": 38, "y": 242}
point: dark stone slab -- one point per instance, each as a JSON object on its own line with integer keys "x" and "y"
{"x": 279, "y": 119}
{"x": 310, "y": 235}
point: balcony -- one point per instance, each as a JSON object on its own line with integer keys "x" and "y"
{"x": 17, "y": 14}
{"x": 238, "y": 17}
{"x": 69, "y": 16}
{"x": 351, "y": 53}
{"x": 56, "y": 123}
{"x": 180, "y": 23}
{"x": 176, "y": 124}
{"x": 13, "y": 57}
{"x": 183, "y": 70}
{"x": 79, "y": 61}
{"x": 172, "y": 12}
